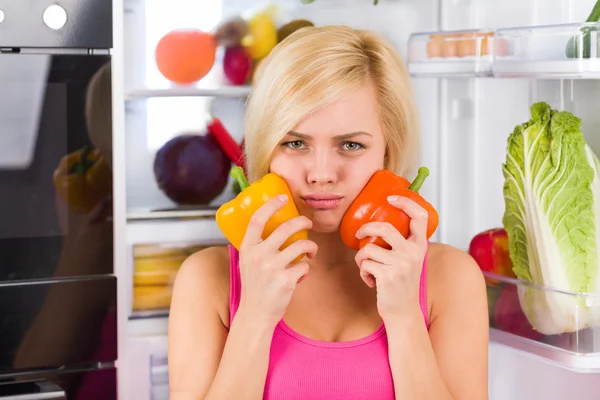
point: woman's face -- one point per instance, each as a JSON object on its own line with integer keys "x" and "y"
{"x": 330, "y": 155}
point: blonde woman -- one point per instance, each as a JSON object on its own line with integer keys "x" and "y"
{"x": 330, "y": 106}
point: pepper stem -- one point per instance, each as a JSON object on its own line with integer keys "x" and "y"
{"x": 418, "y": 182}
{"x": 84, "y": 162}
{"x": 238, "y": 175}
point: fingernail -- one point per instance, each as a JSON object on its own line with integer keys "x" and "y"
{"x": 393, "y": 198}
{"x": 282, "y": 197}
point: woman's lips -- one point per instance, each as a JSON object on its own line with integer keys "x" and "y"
{"x": 323, "y": 201}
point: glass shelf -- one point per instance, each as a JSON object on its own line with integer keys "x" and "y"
{"x": 552, "y": 51}
{"x": 566, "y": 51}
{"x": 188, "y": 91}
{"x": 452, "y": 53}
{"x": 175, "y": 213}
{"x": 559, "y": 326}
{"x": 149, "y": 314}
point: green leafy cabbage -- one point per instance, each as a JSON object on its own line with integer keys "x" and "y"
{"x": 551, "y": 194}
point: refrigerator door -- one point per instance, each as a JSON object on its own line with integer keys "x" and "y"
{"x": 54, "y": 224}
{"x": 57, "y": 324}
{"x": 82, "y": 384}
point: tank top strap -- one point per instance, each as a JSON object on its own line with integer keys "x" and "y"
{"x": 235, "y": 284}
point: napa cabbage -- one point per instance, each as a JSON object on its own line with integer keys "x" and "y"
{"x": 552, "y": 216}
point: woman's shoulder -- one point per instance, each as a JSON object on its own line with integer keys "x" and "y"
{"x": 207, "y": 270}
{"x": 452, "y": 272}
{"x": 447, "y": 257}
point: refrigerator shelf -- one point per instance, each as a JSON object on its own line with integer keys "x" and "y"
{"x": 173, "y": 213}
{"x": 560, "y": 326}
{"x": 451, "y": 53}
{"x": 189, "y": 91}
{"x": 550, "y": 51}
{"x": 580, "y": 363}
{"x": 145, "y": 327}
{"x": 149, "y": 314}
{"x": 566, "y": 69}
{"x": 456, "y": 67}
{"x": 566, "y": 51}
{"x": 195, "y": 230}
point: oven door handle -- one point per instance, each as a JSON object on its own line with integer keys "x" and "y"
{"x": 44, "y": 391}
{"x": 37, "y": 396}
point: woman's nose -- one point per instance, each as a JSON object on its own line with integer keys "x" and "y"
{"x": 321, "y": 169}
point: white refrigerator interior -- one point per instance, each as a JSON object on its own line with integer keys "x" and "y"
{"x": 468, "y": 107}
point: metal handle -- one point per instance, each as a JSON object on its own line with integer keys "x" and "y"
{"x": 37, "y": 396}
{"x": 36, "y": 391}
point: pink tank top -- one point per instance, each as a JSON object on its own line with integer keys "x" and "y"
{"x": 301, "y": 368}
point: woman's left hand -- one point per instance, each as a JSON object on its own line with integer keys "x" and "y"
{"x": 396, "y": 273}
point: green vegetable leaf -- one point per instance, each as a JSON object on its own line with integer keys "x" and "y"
{"x": 550, "y": 216}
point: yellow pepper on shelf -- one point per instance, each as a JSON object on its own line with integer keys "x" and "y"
{"x": 234, "y": 216}
{"x": 151, "y": 297}
{"x": 159, "y": 269}
{"x": 83, "y": 179}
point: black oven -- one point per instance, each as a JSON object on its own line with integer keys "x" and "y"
{"x": 58, "y": 316}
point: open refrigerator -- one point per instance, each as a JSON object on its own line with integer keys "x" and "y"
{"x": 477, "y": 66}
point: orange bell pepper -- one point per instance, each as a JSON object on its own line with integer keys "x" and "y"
{"x": 83, "y": 179}
{"x": 371, "y": 205}
{"x": 234, "y": 216}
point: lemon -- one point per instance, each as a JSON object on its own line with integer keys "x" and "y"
{"x": 262, "y": 37}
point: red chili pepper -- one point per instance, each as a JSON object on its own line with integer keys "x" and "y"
{"x": 227, "y": 143}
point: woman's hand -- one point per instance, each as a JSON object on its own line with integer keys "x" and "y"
{"x": 268, "y": 275}
{"x": 396, "y": 273}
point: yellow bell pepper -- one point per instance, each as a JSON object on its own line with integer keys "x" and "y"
{"x": 82, "y": 179}
{"x": 234, "y": 216}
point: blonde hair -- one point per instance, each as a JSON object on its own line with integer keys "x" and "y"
{"x": 314, "y": 67}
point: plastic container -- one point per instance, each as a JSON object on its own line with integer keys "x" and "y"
{"x": 155, "y": 268}
{"x": 451, "y": 53}
{"x": 562, "y": 327}
{"x": 550, "y": 51}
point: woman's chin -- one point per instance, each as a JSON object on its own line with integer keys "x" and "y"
{"x": 325, "y": 225}
{"x": 324, "y": 230}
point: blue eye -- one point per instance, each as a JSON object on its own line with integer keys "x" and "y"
{"x": 295, "y": 145}
{"x": 352, "y": 146}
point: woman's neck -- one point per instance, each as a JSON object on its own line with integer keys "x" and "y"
{"x": 332, "y": 252}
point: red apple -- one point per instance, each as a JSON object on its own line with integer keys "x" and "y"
{"x": 237, "y": 65}
{"x": 490, "y": 251}
{"x": 493, "y": 294}
{"x": 509, "y": 317}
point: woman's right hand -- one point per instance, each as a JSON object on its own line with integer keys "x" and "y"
{"x": 267, "y": 274}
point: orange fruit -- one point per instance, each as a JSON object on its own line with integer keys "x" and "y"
{"x": 186, "y": 55}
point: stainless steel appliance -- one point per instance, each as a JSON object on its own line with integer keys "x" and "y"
{"x": 58, "y": 335}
